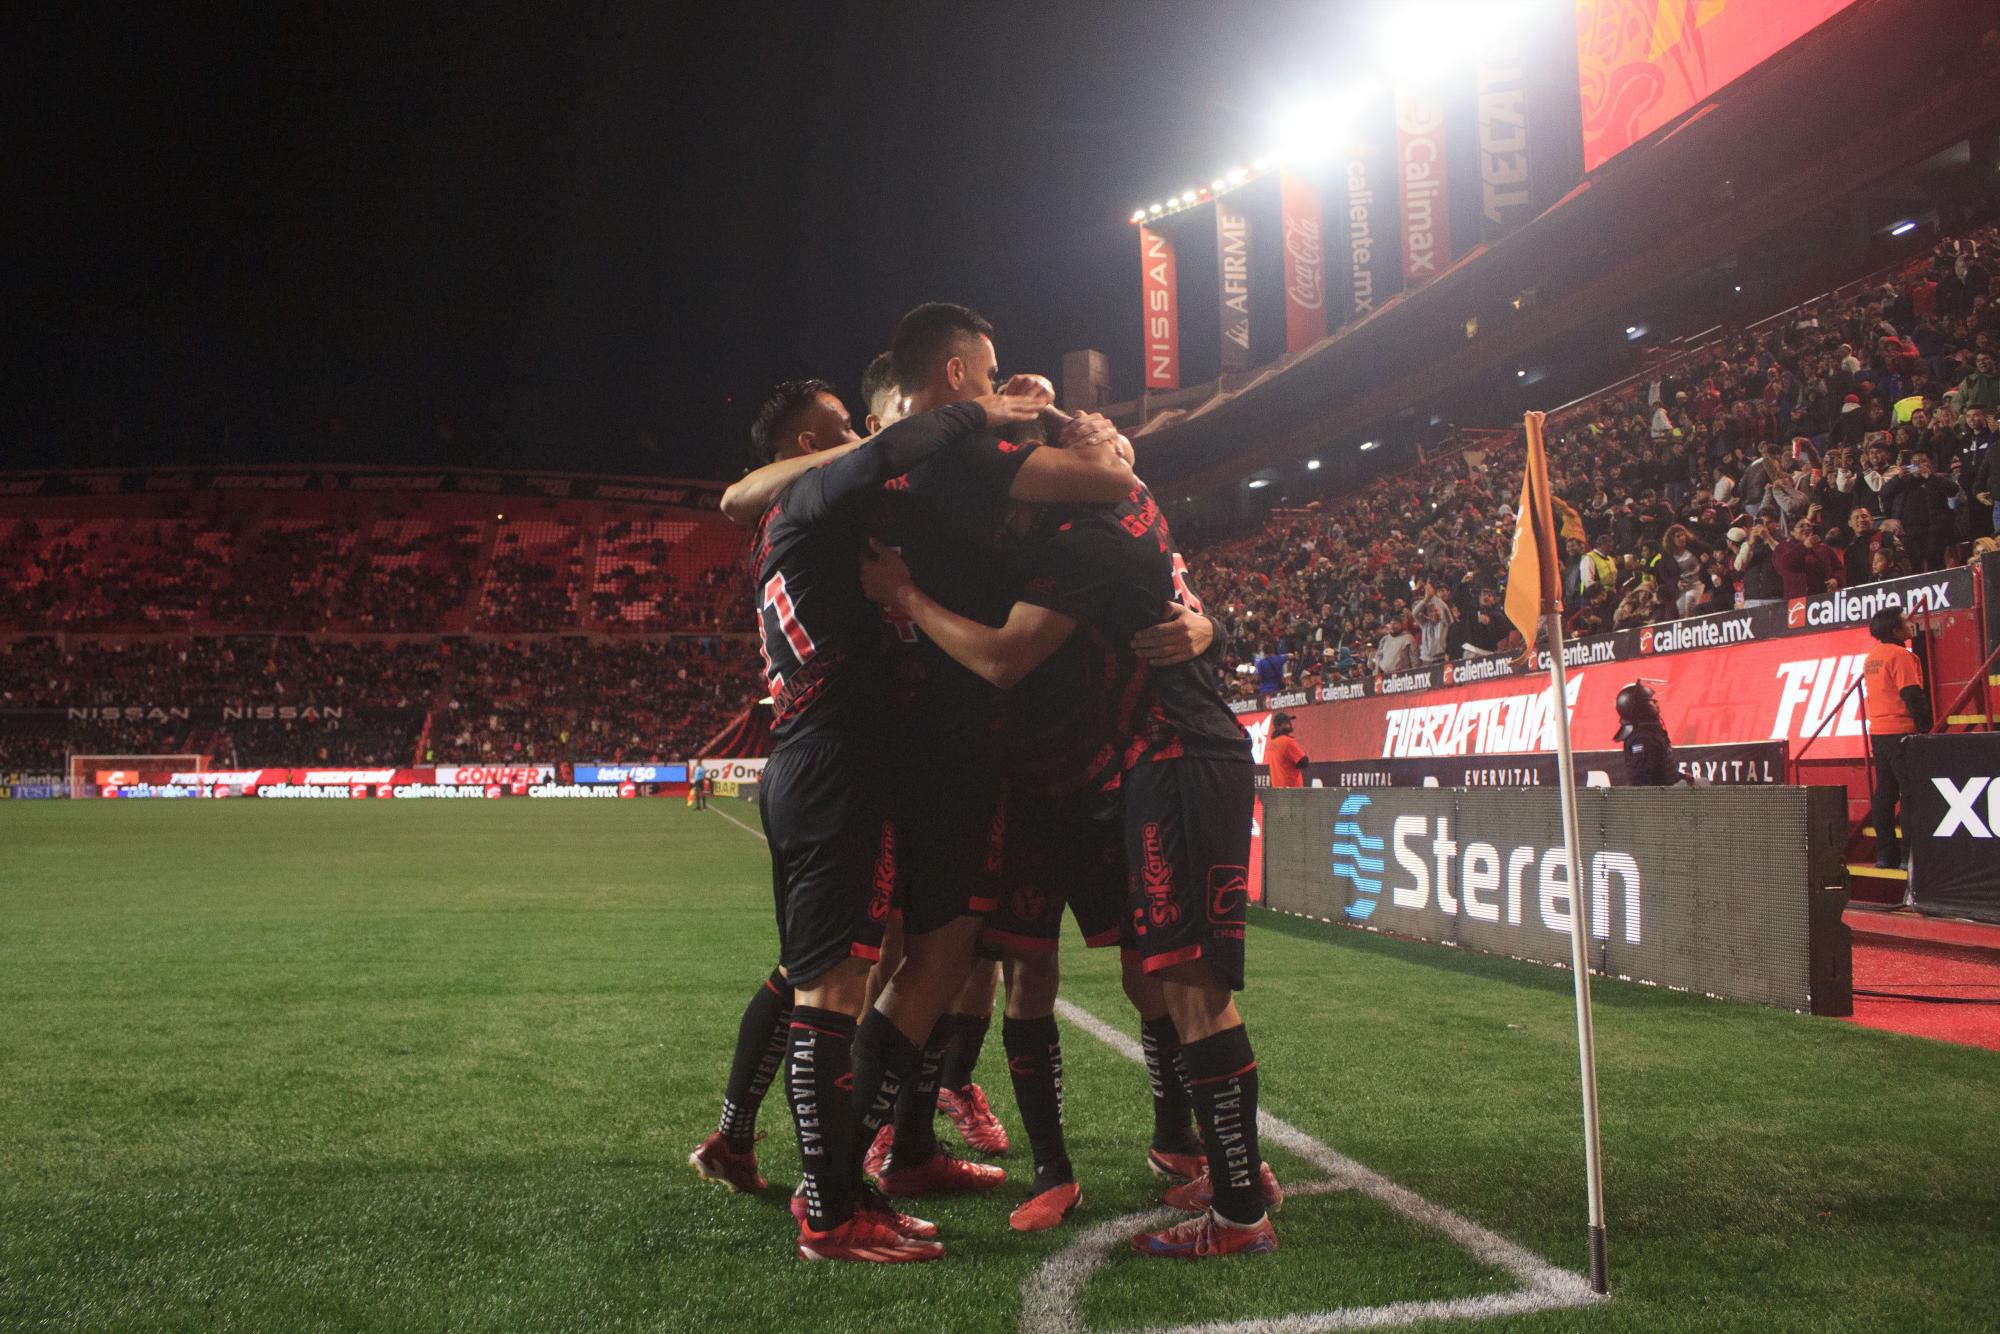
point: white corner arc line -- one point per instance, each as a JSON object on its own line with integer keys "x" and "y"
{"x": 1050, "y": 1296}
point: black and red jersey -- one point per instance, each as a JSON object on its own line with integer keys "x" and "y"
{"x": 822, "y": 640}
{"x": 1094, "y": 709}
{"x": 948, "y": 519}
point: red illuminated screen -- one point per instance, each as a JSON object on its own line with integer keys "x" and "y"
{"x": 1641, "y": 63}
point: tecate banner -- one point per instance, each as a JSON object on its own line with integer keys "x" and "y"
{"x": 1735, "y": 894}
{"x": 1951, "y": 818}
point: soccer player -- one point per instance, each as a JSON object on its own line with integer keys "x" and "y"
{"x": 944, "y": 768}
{"x": 1185, "y": 807}
{"x": 820, "y": 799}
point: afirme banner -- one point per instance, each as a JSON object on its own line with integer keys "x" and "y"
{"x": 1736, "y": 894}
{"x": 1951, "y": 819}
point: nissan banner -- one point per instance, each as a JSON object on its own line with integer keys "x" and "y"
{"x": 1162, "y": 310}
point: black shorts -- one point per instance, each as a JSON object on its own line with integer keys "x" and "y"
{"x": 822, "y": 812}
{"x": 1057, "y": 856}
{"x": 1187, "y": 851}
{"x": 951, "y": 828}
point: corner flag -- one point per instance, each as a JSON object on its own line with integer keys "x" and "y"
{"x": 1534, "y": 585}
{"x": 1534, "y": 595}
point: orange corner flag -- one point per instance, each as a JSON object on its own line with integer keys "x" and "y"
{"x": 1534, "y": 587}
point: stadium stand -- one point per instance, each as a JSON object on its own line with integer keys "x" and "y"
{"x": 342, "y": 624}
{"x": 1810, "y": 416}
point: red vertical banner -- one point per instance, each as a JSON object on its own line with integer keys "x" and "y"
{"x": 1426, "y": 199}
{"x": 1162, "y": 306}
{"x": 1305, "y": 263}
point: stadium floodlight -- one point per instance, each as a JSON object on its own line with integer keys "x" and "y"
{"x": 1423, "y": 42}
{"x": 1138, "y": 215}
{"x": 1908, "y": 225}
{"x": 1312, "y": 465}
{"x": 1156, "y": 209}
{"x": 1236, "y": 176}
{"x": 1367, "y": 445}
{"x": 1187, "y": 196}
{"x": 1258, "y": 483}
{"x": 1218, "y": 185}
{"x": 1262, "y": 164}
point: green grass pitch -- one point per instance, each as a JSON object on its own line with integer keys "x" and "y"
{"x": 428, "y": 1065}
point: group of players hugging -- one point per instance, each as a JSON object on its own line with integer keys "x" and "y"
{"x": 995, "y": 696}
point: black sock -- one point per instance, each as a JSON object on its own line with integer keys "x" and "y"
{"x": 1222, "y": 1077}
{"x": 1034, "y": 1060}
{"x": 1173, "y": 1112}
{"x": 961, "y": 1058}
{"x": 916, "y": 1106}
{"x": 760, "y": 1050}
{"x": 884, "y": 1060}
{"x": 822, "y": 1042}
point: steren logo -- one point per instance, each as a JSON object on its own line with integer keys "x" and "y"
{"x": 1489, "y": 884}
{"x": 1845, "y": 608}
{"x": 1959, "y": 813}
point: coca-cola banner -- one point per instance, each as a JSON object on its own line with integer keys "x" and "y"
{"x": 1426, "y": 197}
{"x": 1501, "y": 116}
{"x": 1305, "y": 263}
{"x": 1161, "y": 301}
{"x": 1232, "y": 248}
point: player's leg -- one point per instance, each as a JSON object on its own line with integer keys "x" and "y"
{"x": 1034, "y": 1064}
{"x": 729, "y": 1155}
{"x": 1174, "y": 1153}
{"x": 1187, "y": 838}
{"x": 963, "y": 1101}
{"x": 888, "y": 958}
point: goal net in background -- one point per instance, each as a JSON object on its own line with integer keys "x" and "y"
{"x": 89, "y": 775}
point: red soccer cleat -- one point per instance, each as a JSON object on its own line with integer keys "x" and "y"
{"x": 1175, "y": 1168}
{"x": 976, "y": 1123}
{"x": 1194, "y": 1197}
{"x": 866, "y": 1239}
{"x": 876, "y": 1161}
{"x": 940, "y": 1174}
{"x": 716, "y": 1161}
{"x": 1205, "y": 1235}
{"x": 872, "y": 1204}
{"x": 1047, "y": 1209}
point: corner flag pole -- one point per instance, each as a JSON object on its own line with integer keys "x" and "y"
{"x": 1534, "y": 557}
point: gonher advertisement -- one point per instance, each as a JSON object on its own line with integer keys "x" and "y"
{"x": 1951, "y": 824}
{"x": 1732, "y": 893}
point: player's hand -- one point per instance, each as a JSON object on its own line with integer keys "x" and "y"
{"x": 1003, "y": 409}
{"x": 1093, "y": 430}
{"x": 1036, "y": 387}
{"x": 884, "y": 575}
{"x": 1184, "y": 636}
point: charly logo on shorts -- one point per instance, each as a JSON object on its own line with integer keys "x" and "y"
{"x": 1228, "y": 892}
{"x": 1357, "y": 858}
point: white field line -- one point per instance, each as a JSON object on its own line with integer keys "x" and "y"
{"x": 1051, "y": 1297}
{"x": 757, "y": 834}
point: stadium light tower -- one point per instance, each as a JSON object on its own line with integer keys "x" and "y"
{"x": 1423, "y": 41}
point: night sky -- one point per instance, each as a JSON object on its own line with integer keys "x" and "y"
{"x": 588, "y": 237}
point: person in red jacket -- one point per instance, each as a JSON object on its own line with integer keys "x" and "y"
{"x": 1805, "y": 564}
{"x": 1284, "y": 754}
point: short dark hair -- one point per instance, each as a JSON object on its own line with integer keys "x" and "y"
{"x": 1887, "y": 625}
{"x": 878, "y": 378}
{"x": 926, "y": 336}
{"x": 781, "y": 410}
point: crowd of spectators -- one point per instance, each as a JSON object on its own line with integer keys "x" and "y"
{"x": 108, "y": 574}
{"x": 1845, "y": 442}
